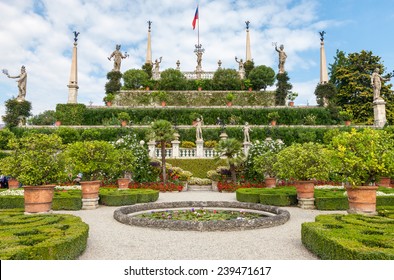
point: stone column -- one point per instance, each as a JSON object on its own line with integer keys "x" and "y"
{"x": 200, "y": 148}
{"x": 379, "y": 112}
{"x": 247, "y": 146}
{"x": 175, "y": 148}
{"x": 149, "y": 47}
{"x": 152, "y": 148}
{"x": 73, "y": 83}
{"x": 248, "y": 52}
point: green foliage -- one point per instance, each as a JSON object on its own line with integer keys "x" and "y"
{"x": 349, "y": 237}
{"x": 231, "y": 150}
{"x": 41, "y": 237}
{"x": 351, "y": 74}
{"x": 5, "y": 136}
{"x": 45, "y": 118}
{"x": 147, "y": 67}
{"x": 230, "y": 97}
{"x": 360, "y": 155}
{"x": 198, "y": 167}
{"x": 292, "y": 95}
{"x": 117, "y": 197}
{"x": 69, "y": 135}
{"x": 188, "y": 144}
{"x": 114, "y": 84}
{"x": 226, "y": 79}
{"x": 283, "y": 87}
{"x": 273, "y": 116}
{"x": 265, "y": 156}
{"x": 283, "y": 196}
{"x": 326, "y": 92}
{"x": 16, "y": 112}
{"x": 67, "y": 200}
{"x": 261, "y": 77}
{"x": 304, "y": 162}
{"x": 346, "y": 115}
{"x": 35, "y": 160}
{"x": 94, "y": 159}
{"x": 135, "y": 79}
{"x": 70, "y": 114}
{"x": 123, "y": 116}
{"x": 248, "y": 66}
{"x": 310, "y": 120}
{"x": 109, "y": 97}
{"x": 172, "y": 79}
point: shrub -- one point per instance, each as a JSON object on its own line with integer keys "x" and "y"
{"x": 135, "y": 79}
{"x": 70, "y": 114}
{"x": 5, "y": 136}
{"x": 283, "y": 196}
{"x": 188, "y": 144}
{"x": 16, "y": 112}
{"x": 45, "y": 118}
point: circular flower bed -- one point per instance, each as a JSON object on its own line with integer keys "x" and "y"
{"x": 265, "y": 216}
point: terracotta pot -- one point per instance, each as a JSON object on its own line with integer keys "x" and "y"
{"x": 305, "y": 189}
{"x": 58, "y": 123}
{"x": 109, "y": 103}
{"x": 250, "y": 89}
{"x": 90, "y": 189}
{"x": 347, "y": 123}
{"x": 229, "y": 104}
{"x": 392, "y": 183}
{"x": 123, "y": 183}
{"x": 123, "y": 123}
{"x": 362, "y": 200}
{"x": 291, "y": 103}
{"x": 147, "y": 88}
{"x": 38, "y": 199}
{"x": 273, "y": 123}
{"x": 199, "y": 88}
{"x": 270, "y": 182}
{"x": 163, "y": 103}
{"x": 384, "y": 182}
{"x": 13, "y": 184}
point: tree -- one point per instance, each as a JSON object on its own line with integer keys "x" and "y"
{"x": 113, "y": 85}
{"x": 147, "y": 67}
{"x": 16, "y": 112}
{"x": 162, "y": 131}
{"x": 351, "y": 74}
{"x": 231, "y": 149}
{"x": 135, "y": 79}
{"x": 172, "y": 79}
{"x": 325, "y": 93}
{"x": 261, "y": 77}
{"x": 248, "y": 65}
{"x": 283, "y": 88}
{"x": 226, "y": 79}
{"x": 45, "y": 118}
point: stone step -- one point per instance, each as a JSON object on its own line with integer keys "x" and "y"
{"x": 199, "y": 188}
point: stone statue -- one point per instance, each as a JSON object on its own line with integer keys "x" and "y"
{"x": 282, "y": 58}
{"x": 156, "y": 68}
{"x": 118, "y": 56}
{"x": 246, "y": 130}
{"x": 240, "y": 64}
{"x": 376, "y": 83}
{"x": 21, "y": 83}
{"x": 322, "y": 35}
{"x": 199, "y": 59}
{"x": 198, "y": 126}
{"x": 76, "y": 36}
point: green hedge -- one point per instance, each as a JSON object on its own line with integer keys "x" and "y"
{"x": 280, "y": 196}
{"x": 41, "y": 237}
{"x": 68, "y": 200}
{"x": 350, "y": 237}
{"x": 11, "y": 202}
{"x": 70, "y": 114}
{"x": 116, "y": 197}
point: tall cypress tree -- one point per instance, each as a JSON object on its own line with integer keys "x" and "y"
{"x": 283, "y": 88}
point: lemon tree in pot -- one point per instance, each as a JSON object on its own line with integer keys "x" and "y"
{"x": 304, "y": 163}
{"x": 96, "y": 161}
{"x": 363, "y": 159}
{"x": 36, "y": 162}
{"x": 124, "y": 118}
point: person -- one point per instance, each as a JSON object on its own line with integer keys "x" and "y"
{"x": 198, "y": 126}
{"x": 21, "y": 83}
{"x": 246, "y": 130}
{"x": 282, "y": 58}
{"x": 118, "y": 56}
{"x": 376, "y": 83}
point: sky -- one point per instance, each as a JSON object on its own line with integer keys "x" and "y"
{"x": 39, "y": 35}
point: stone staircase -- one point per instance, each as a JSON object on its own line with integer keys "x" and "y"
{"x": 196, "y": 188}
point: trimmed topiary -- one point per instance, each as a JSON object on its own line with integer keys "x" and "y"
{"x": 283, "y": 196}
{"x": 116, "y": 197}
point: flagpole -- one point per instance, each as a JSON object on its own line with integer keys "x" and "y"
{"x": 198, "y": 24}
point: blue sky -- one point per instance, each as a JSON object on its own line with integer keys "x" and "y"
{"x": 38, "y": 34}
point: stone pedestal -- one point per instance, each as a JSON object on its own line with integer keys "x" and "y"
{"x": 379, "y": 112}
{"x": 247, "y": 146}
{"x": 90, "y": 203}
{"x": 175, "y": 148}
{"x": 152, "y": 148}
{"x": 223, "y": 136}
{"x": 200, "y": 148}
{"x": 306, "y": 203}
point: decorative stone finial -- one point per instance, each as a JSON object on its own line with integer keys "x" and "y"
{"x": 247, "y": 24}
{"x": 322, "y": 35}
{"x": 76, "y": 36}
{"x": 149, "y": 25}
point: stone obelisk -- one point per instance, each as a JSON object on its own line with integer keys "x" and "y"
{"x": 323, "y": 61}
{"x": 248, "y": 52}
{"x": 73, "y": 83}
{"x": 149, "y": 46}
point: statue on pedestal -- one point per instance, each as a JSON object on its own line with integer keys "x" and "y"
{"x": 282, "y": 58}
{"x": 118, "y": 56}
{"x": 246, "y": 130}
{"x": 21, "y": 82}
{"x": 156, "y": 69}
{"x": 198, "y": 126}
{"x": 376, "y": 83}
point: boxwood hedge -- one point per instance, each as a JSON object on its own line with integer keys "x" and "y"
{"x": 350, "y": 237}
{"x": 281, "y": 196}
{"x": 41, "y": 237}
{"x": 117, "y": 197}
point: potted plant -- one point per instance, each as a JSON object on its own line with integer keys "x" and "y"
{"x": 263, "y": 164}
{"x": 304, "y": 163}
{"x": 363, "y": 158}
{"x": 229, "y": 98}
{"x": 346, "y": 116}
{"x": 108, "y": 99}
{"x": 291, "y": 96}
{"x": 124, "y": 118}
{"x": 163, "y": 97}
{"x": 123, "y": 168}
{"x": 96, "y": 161}
{"x": 199, "y": 84}
{"x": 36, "y": 162}
{"x": 248, "y": 84}
{"x": 273, "y": 117}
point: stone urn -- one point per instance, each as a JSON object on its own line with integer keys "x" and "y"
{"x": 38, "y": 199}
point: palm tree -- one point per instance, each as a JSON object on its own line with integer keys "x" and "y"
{"x": 231, "y": 150}
{"x": 162, "y": 131}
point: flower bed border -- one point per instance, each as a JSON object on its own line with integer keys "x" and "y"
{"x": 280, "y": 216}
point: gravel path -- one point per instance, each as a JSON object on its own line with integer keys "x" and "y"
{"x": 111, "y": 240}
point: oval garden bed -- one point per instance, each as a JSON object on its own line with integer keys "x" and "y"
{"x": 41, "y": 237}
{"x": 269, "y": 216}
